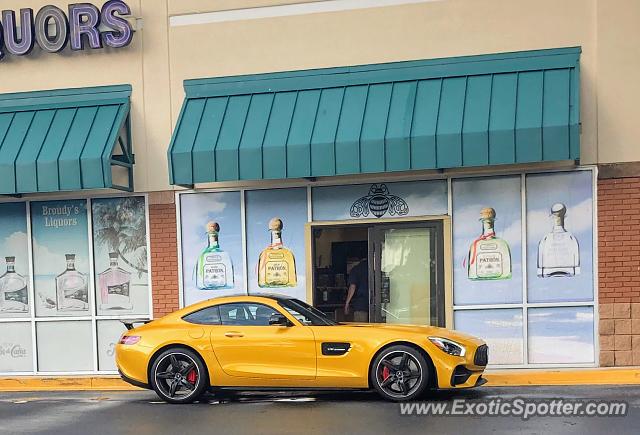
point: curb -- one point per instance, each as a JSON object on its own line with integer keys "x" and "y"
{"x": 495, "y": 378}
{"x": 65, "y": 383}
{"x": 532, "y": 377}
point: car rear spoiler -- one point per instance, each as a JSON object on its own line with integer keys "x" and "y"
{"x": 128, "y": 323}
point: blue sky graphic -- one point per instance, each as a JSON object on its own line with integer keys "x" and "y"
{"x": 290, "y": 205}
{"x": 575, "y": 191}
{"x": 196, "y": 210}
{"x": 470, "y": 195}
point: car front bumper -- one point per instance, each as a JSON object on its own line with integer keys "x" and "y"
{"x": 455, "y": 372}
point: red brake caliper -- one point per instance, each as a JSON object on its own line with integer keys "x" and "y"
{"x": 192, "y": 376}
{"x": 385, "y": 373}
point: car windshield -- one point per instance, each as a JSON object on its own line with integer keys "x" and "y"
{"x": 305, "y": 313}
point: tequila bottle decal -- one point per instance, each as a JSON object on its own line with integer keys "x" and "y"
{"x": 114, "y": 284}
{"x": 214, "y": 269}
{"x": 489, "y": 255}
{"x": 13, "y": 289}
{"x": 277, "y": 265}
{"x": 558, "y": 252}
{"x": 71, "y": 288}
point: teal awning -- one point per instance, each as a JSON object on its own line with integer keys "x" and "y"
{"x": 433, "y": 114}
{"x": 67, "y": 139}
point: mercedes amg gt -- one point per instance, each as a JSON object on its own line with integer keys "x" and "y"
{"x": 269, "y": 342}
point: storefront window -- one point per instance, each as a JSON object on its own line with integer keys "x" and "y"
{"x": 120, "y": 256}
{"x": 560, "y": 235}
{"x": 14, "y": 264}
{"x": 109, "y": 331}
{"x": 64, "y": 346}
{"x": 557, "y": 296}
{"x": 516, "y": 249}
{"x": 500, "y": 328}
{"x": 487, "y": 240}
{"x": 16, "y": 347}
{"x": 78, "y": 298}
{"x": 211, "y": 235}
{"x": 275, "y": 221}
{"x": 60, "y": 258}
{"x": 561, "y": 335}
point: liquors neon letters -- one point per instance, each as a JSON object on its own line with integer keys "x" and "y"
{"x": 52, "y": 29}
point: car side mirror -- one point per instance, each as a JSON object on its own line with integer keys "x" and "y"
{"x": 278, "y": 320}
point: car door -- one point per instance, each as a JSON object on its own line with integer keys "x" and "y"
{"x": 246, "y": 346}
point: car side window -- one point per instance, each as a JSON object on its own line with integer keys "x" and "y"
{"x": 205, "y": 316}
{"x": 246, "y": 314}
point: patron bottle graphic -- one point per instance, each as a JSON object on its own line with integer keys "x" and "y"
{"x": 13, "y": 289}
{"x": 489, "y": 255}
{"x": 558, "y": 252}
{"x": 277, "y": 265}
{"x": 71, "y": 288}
{"x": 214, "y": 269}
{"x": 115, "y": 286}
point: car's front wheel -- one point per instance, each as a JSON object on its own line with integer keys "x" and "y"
{"x": 178, "y": 375}
{"x": 400, "y": 373}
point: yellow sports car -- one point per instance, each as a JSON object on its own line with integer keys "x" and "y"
{"x": 270, "y": 342}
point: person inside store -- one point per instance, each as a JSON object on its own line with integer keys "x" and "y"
{"x": 358, "y": 292}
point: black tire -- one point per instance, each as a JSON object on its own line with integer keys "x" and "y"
{"x": 171, "y": 375}
{"x": 400, "y": 373}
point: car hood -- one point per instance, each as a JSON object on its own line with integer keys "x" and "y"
{"x": 422, "y": 330}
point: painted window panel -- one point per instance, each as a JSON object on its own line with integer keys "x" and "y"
{"x": 109, "y": 332}
{"x": 561, "y": 335}
{"x": 14, "y": 261}
{"x": 560, "y": 237}
{"x": 120, "y": 256}
{"x": 380, "y": 200}
{"x": 16, "y": 347}
{"x": 487, "y": 240}
{"x": 61, "y": 258}
{"x": 272, "y": 267}
{"x": 211, "y": 255}
{"x": 500, "y": 328}
{"x": 64, "y": 346}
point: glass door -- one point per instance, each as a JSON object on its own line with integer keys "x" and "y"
{"x": 408, "y": 273}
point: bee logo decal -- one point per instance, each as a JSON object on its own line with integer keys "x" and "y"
{"x": 378, "y": 202}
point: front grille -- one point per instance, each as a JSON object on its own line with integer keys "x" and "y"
{"x": 481, "y": 358}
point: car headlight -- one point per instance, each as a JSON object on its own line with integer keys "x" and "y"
{"x": 448, "y": 346}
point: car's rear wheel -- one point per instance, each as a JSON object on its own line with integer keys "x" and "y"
{"x": 400, "y": 373}
{"x": 178, "y": 375}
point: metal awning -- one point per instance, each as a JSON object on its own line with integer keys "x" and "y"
{"x": 67, "y": 139}
{"x": 433, "y": 114}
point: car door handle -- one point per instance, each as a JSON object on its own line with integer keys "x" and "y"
{"x": 232, "y": 334}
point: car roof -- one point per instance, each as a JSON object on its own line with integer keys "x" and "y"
{"x": 230, "y": 298}
{"x": 273, "y": 296}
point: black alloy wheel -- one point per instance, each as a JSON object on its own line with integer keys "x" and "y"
{"x": 400, "y": 373}
{"x": 178, "y": 376}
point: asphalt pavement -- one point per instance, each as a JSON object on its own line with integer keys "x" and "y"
{"x": 141, "y": 413}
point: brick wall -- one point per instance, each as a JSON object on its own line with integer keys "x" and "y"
{"x": 619, "y": 270}
{"x": 164, "y": 253}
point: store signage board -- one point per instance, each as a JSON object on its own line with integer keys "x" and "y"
{"x": 52, "y": 29}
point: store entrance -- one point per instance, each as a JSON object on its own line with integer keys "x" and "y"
{"x": 395, "y": 271}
